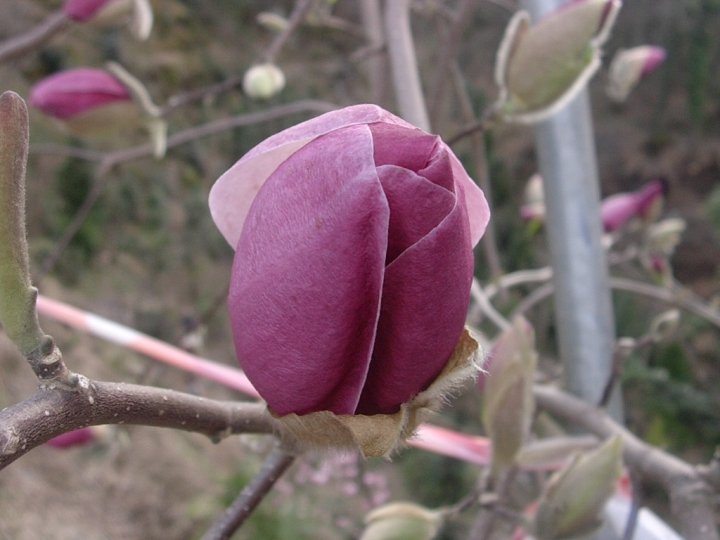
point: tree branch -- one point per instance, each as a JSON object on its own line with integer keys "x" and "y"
{"x": 55, "y": 409}
{"x": 252, "y": 494}
{"x": 691, "y": 498}
{"x": 32, "y": 39}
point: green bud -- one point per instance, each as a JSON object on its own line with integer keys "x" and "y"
{"x": 508, "y": 402}
{"x": 263, "y": 81}
{"x": 541, "y": 67}
{"x": 575, "y": 495}
{"x": 402, "y": 521}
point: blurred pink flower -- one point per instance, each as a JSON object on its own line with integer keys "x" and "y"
{"x": 77, "y": 437}
{"x": 350, "y": 285}
{"x": 618, "y": 209}
{"x": 81, "y": 10}
{"x": 68, "y": 93}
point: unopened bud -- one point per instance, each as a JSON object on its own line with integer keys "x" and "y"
{"x": 629, "y": 66}
{"x": 263, "y": 81}
{"x": 541, "y": 67}
{"x": 664, "y": 326}
{"x": 272, "y": 21}
{"x": 575, "y": 496}
{"x": 664, "y": 236}
{"x": 402, "y": 521}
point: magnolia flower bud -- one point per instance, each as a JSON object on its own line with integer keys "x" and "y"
{"x": 541, "y": 67}
{"x": 618, "y": 209}
{"x": 629, "y": 66}
{"x": 402, "y": 521}
{"x": 508, "y": 402}
{"x": 67, "y": 94}
{"x": 82, "y": 436}
{"x": 109, "y": 12}
{"x": 575, "y": 495}
{"x": 272, "y": 21}
{"x": 263, "y": 81}
{"x": 350, "y": 285}
{"x": 533, "y": 207}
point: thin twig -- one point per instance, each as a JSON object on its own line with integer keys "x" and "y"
{"x": 677, "y": 296}
{"x": 487, "y": 308}
{"x": 296, "y": 17}
{"x": 483, "y": 123}
{"x": 691, "y": 498}
{"x": 252, "y": 494}
{"x": 55, "y": 409}
{"x": 33, "y": 38}
{"x": 446, "y": 57}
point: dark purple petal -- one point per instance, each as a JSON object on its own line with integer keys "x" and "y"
{"x": 417, "y": 206}
{"x": 424, "y": 304}
{"x": 71, "y": 92}
{"x": 307, "y": 276}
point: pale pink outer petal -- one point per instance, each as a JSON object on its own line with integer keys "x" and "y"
{"x": 306, "y": 281}
{"x": 232, "y": 195}
{"x": 81, "y": 10}
{"x": 67, "y": 93}
{"x": 424, "y": 304}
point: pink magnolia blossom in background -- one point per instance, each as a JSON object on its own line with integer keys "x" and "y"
{"x": 76, "y": 437}
{"x": 350, "y": 285}
{"x": 81, "y": 10}
{"x": 69, "y": 93}
{"x": 618, "y": 209}
{"x": 137, "y": 14}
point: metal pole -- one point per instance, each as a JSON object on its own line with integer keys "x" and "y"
{"x": 583, "y": 306}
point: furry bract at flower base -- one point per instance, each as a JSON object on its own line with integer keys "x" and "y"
{"x": 350, "y": 285}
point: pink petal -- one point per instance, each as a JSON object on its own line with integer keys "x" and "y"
{"x": 648, "y": 194}
{"x": 233, "y": 193}
{"x": 72, "y": 438}
{"x": 307, "y": 276}
{"x": 70, "y": 92}
{"x": 81, "y": 10}
{"x": 424, "y": 303}
{"x": 617, "y": 209}
{"x": 655, "y": 57}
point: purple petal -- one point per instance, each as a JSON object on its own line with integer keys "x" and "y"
{"x": 424, "y": 303}
{"x": 70, "y": 92}
{"x": 416, "y": 207}
{"x": 307, "y": 276}
{"x": 81, "y": 10}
